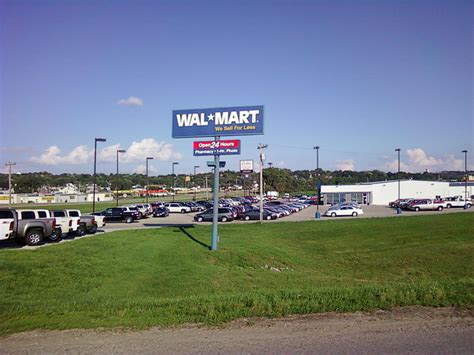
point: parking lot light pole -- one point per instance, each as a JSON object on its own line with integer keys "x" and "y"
{"x": 261, "y": 148}
{"x": 10, "y": 164}
{"x": 174, "y": 178}
{"x": 194, "y": 180}
{"x": 399, "y": 210}
{"x": 466, "y": 177}
{"x": 147, "y": 183}
{"x": 318, "y": 183}
{"x": 95, "y": 170}
{"x": 117, "y": 178}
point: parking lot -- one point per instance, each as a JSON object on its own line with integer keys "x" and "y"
{"x": 307, "y": 214}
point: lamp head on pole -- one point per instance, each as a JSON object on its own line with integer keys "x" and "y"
{"x": 121, "y": 150}
{"x": 101, "y": 140}
{"x": 149, "y": 158}
{"x": 316, "y": 147}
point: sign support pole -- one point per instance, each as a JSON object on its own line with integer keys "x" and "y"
{"x": 215, "y": 219}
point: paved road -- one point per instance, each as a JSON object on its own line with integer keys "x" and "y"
{"x": 406, "y": 330}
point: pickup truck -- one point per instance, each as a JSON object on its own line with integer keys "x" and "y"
{"x": 66, "y": 225}
{"x": 457, "y": 201}
{"x": 89, "y": 223}
{"x": 23, "y": 214}
{"x": 29, "y": 231}
{"x": 117, "y": 214}
{"x": 427, "y": 205}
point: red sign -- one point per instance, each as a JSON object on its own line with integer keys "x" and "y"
{"x": 222, "y": 147}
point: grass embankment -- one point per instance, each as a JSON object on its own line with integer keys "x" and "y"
{"x": 167, "y": 276}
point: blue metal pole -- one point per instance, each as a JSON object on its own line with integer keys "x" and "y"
{"x": 215, "y": 220}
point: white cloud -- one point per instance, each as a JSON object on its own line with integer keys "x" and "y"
{"x": 109, "y": 154}
{"x": 52, "y": 156}
{"x": 136, "y": 152}
{"x": 393, "y": 166}
{"x": 141, "y": 169}
{"x": 345, "y": 164}
{"x": 451, "y": 163}
{"x": 131, "y": 101}
{"x": 416, "y": 160}
{"x": 149, "y": 147}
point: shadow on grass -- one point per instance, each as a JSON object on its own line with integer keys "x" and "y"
{"x": 183, "y": 230}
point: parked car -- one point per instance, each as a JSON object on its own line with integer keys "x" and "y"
{"x": 224, "y": 214}
{"x": 161, "y": 212}
{"x": 25, "y": 231}
{"x": 177, "y": 207}
{"x": 205, "y": 204}
{"x": 68, "y": 225}
{"x": 55, "y": 235}
{"x": 254, "y": 214}
{"x": 345, "y": 210}
{"x": 134, "y": 210}
{"x": 117, "y": 214}
{"x": 87, "y": 222}
{"x": 195, "y": 207}
{"x": 427, "y": 205}
{"x": 457, "y": 201}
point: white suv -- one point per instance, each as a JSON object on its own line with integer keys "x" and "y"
{"x": 177, "y": 207}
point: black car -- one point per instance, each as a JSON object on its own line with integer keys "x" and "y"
{"x": 161, "y": 212}
{"x": 116, "y": 214}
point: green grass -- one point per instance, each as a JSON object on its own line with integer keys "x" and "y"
{"x": 168, "y": 277}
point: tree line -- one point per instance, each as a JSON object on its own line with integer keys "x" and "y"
{"x": 282, "y": 180}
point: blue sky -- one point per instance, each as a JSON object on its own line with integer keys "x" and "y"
{"x": 357, "y": 78}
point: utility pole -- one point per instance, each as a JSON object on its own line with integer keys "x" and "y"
{"x": 194, "y": 180}
{"x": 147, "y": 183}
{"x": 261, "y": 147}
{"x": 318, "y": 183}
{"x": 399, "y": 210}
{"x": 95, "y": 168}
{"x": 10, "y": 164}
{"x": 117, "y": 180}
{"x": 465, "y": 178}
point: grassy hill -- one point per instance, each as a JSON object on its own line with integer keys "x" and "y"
{"x": 167, "y": 276}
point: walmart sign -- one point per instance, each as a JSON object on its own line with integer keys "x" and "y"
{"x": 211, "y": 122}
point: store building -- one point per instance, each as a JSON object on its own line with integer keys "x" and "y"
{"x": 383, "y": 192}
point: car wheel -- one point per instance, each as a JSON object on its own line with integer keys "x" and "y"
{"x": 93, "y": 229}
{"x": 247, "y": 218}
{"x": 440, "y": 208}
{"x": 417, "y": 209}
{"x": 448, "y": 205}
{"x": 200, "y": 219}
{"x": 34, "y": 237}
{"x": 183, "y": 211}
{"x": 269, "y": 218}
{"x": 81, "y": 230}
{"x": 129, "y": 219}
{"x": 354, "y": 214}
{"x": 468, "y": 205}
{"x": 224, "y": 219}
{"x": 333, "y": 214}
{"x": 56, "y": 235}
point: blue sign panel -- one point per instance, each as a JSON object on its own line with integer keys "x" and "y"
{"x": 211, "y": 122}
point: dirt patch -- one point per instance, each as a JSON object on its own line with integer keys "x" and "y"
{"x": 409, "y": 329}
